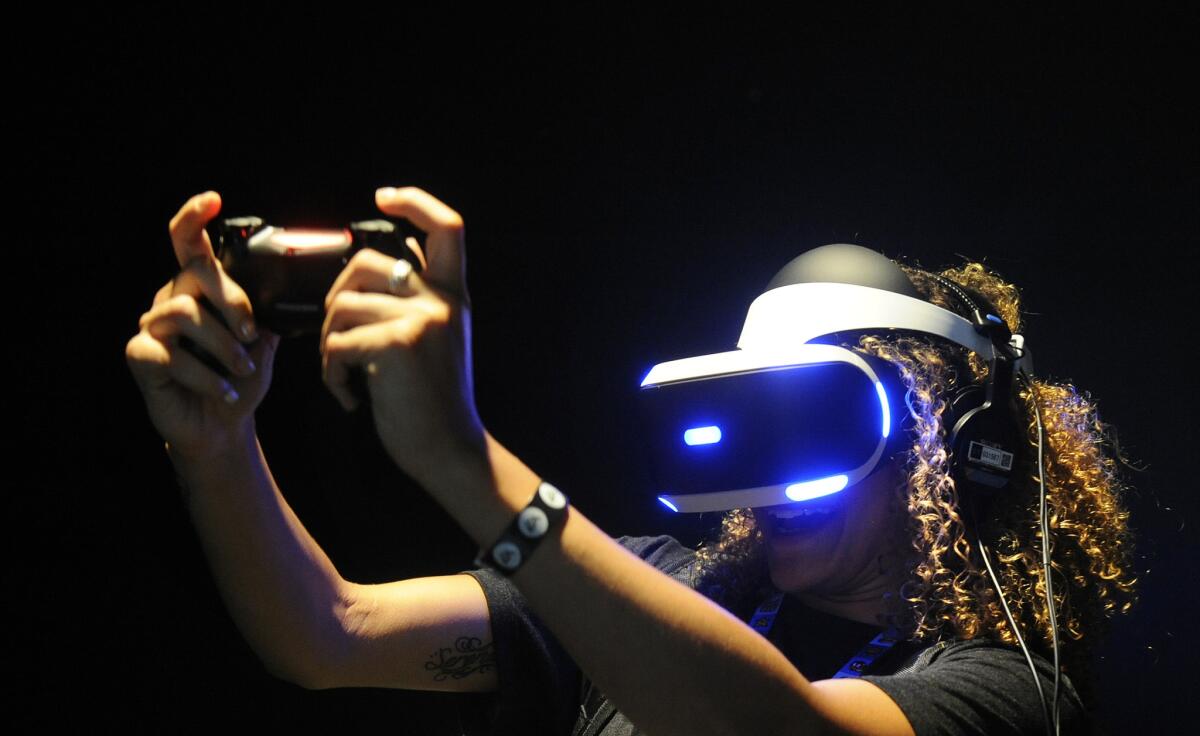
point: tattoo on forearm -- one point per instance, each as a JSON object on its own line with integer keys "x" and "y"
{"x": 468, "y": 656}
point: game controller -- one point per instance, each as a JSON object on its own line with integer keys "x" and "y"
{"x": 287, "y": 272}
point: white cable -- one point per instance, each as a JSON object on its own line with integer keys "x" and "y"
{"x": 1050, "y": 606}
{"x": 1017, "y": 632}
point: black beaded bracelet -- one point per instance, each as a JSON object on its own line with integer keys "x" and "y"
{"x": 547, "y": 510}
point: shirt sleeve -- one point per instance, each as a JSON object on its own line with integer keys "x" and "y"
{"x": 539, "y": 684}
{"x": 981, "y": 687}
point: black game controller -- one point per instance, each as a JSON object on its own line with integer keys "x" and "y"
{"x": 287, "y": 272}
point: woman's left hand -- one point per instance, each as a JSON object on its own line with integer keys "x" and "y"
{"x": 413, "y": 344}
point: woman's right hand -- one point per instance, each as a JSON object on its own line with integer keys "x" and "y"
{"x": 194, "y": 409}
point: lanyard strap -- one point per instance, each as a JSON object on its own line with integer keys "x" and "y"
{"x": 764, "y": 618}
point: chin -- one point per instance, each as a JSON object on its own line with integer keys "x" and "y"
{"x": 792, "y": 571}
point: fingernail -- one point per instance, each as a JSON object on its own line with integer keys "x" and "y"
{"x": 231, "y": 396}
{"x": 245, "y": 365}
{"x": 202, "y": 201}
{"x": 247, "y": 330}
{"x": 385, "y": 192}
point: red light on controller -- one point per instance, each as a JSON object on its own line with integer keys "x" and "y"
{"x": 304, "y": 242}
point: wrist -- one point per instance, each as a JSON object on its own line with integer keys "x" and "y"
{"x": 215, "y": 448}
{"x": 484, "y": 488}
{"x": 543, "y": 517}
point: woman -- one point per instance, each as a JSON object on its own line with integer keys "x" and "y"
{"x": 667, "y": 657}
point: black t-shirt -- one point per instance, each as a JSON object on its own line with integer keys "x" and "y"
{"x": 961, "y": 687}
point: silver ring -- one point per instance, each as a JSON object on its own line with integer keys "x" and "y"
{"x": 398, "y": 281}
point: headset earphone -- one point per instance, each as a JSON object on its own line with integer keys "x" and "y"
{"x": 981, "y": 426}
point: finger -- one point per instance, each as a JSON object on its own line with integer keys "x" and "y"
{"x": 164, "y": 293}
{"x": 369, "y": 271}
{"x": 206, "y": 277}
{"x": 358, "y": 347}
{"x": 157, "y": 365}
{"x": 188, "y": 371}
{"x": 417, "y": 251}
{"x": 182, "y": 316}
{"x": 147, "y": 360}
{"x": 447, "y": 253}
{"x": 188, "y": 235}
{"x": 263, "y": 351}
{"x": 350, "y": 309}
{"x": 339, "y": 355}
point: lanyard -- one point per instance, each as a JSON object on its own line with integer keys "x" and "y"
{"x": 764, "y": 618}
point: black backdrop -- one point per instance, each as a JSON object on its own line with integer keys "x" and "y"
{"x": 630, "y": 181}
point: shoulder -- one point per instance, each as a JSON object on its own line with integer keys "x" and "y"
{"x": 979, "y": 686}
{"x": 663, "y": 552}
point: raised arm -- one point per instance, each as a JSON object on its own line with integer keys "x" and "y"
{"x": 307, "y": 624}
{"x": 671, "y": 660}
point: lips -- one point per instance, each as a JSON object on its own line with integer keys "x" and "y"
{"x": 798, "y": 519}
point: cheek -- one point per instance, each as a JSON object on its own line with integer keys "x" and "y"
{"x": 889, "y": 530}
{"x": 870, "y": 530}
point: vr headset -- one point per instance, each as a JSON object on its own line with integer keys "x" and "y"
{"x": 788, "y": 417}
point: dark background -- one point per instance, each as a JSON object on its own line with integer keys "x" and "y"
{"x": 630, "y": 181}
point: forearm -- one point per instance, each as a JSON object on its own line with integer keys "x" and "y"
{"x": 281, "y": 589}
{"x": 670, "y": 659}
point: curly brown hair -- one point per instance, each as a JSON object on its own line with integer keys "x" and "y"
{"x": 948, "y": 594}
